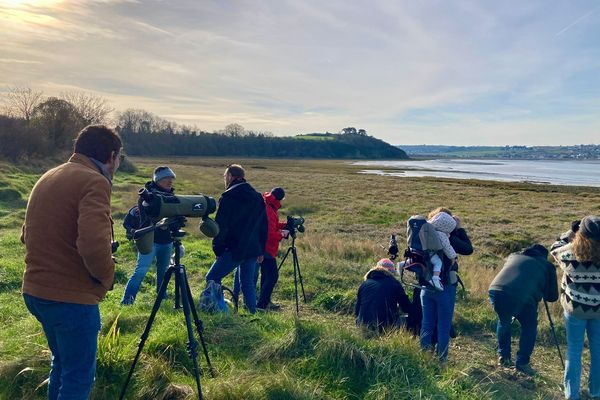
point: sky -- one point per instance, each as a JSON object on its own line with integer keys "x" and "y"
{"x": 408, "y": 72}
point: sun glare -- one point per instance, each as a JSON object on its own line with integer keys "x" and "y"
{"x": 20, "y": 3}
{"x": 27, "y": 12}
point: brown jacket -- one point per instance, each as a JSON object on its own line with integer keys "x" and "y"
{"x": 67, "y": 234}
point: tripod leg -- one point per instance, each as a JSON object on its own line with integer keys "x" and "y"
{"x": 185, "y": 300}
{"x": 287, "y": 253}
{"x": 155, "y": 307}
{"x": 177, "y": 295}
{"x": 295, "y": 279}
{"x": 199, "y": 326}
{"x": 297, "y": 266}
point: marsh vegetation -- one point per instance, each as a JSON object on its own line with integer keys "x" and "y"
{"x": 321, "y": 354}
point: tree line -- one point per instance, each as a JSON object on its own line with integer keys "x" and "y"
{"x": 34, "y": 126}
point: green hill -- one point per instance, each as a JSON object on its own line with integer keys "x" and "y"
{"x": 314, "y": 145}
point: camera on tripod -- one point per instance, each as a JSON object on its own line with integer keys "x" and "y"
{"x": 294, "y": 224}
{"x": 159, "y": 211}
{"x": 393, "y": 247}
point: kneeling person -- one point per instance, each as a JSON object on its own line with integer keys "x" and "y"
{"x": 525, "y": 279}
{"x": 381, "y": 299}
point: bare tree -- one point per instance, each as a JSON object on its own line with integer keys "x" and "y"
{"x": 20, "y": 101}
{"x": 93, "y": 109}
{"x": 234, "y": 130}
{"x": 142, "y": 121}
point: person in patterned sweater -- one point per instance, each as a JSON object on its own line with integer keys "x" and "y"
{"x": 579, "y": 259}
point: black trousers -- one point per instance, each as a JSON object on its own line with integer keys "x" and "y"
{"x": 268, "y": 279}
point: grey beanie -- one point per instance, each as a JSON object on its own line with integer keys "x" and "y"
{"x": 590, "y": 227}
{"x": 162, "y": 172}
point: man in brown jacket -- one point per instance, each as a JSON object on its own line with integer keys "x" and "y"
{"x": 69, "y": 268}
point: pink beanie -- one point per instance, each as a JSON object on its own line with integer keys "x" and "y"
{"x": 387, "y": 264}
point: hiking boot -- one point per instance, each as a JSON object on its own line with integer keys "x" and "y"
{"x": 273, "y": 307}
{"x": 436, "y": 282}
{"x": 526, "y": 369}
{"x": 505, "y": 362}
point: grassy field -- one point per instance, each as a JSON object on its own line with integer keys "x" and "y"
{"x": 320, "y": 354}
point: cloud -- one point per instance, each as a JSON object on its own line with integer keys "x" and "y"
{"x": 464, "y": 71}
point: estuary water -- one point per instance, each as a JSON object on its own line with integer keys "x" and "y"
{"x": 555, "y": 172}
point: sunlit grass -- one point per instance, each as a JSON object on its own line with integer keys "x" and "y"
{"x": 321, "y": 355}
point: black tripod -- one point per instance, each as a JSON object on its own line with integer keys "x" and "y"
{"x": 297, "y": 274}
{"x": 183, "y": 292}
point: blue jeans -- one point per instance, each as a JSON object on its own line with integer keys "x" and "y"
{"x": 237, "y": 282}
{"x": 269, "y": 274}
{"x": 223, "y": 266}
{"x": 576, "y": 329}
{"x": 162, "y": 252}
{"x": 72, "y": 334}
{"x": 438, "y": 310}
{"x": 507, "y": 307}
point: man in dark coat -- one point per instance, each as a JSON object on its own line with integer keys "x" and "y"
{"x": 381, "y": 299}
{"x": 525, "y": 279}
{"x": 242, "y": 234}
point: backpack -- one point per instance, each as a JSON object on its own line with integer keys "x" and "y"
{"x": 212, "y": 299}
{"x": 132, "y": 221}
{"x": 422, "y": 243}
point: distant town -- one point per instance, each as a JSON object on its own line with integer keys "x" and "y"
{"x": 576, "y": 152}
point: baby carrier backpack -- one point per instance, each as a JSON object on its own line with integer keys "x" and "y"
{"x": 422, "y": 243}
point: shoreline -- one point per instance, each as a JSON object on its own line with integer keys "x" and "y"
{"x": 537, "y": 172}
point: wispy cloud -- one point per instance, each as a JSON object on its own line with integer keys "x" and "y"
{"x": 578, "y": 20}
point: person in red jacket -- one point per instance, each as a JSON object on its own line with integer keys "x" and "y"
{"x": 268, "y": 268}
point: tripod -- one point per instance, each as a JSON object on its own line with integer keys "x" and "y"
{"x": 297, "y": 274}
{"x": 183, "y": 293}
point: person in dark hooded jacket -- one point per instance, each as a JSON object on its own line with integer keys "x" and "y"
{"x": 525, "y": 279}
{"x": 381, "y": 299}
{"x": 269, "y": 273}
{"x": 242, "y": 221}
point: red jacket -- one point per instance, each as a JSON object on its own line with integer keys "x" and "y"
{"x": 274, "y": 233}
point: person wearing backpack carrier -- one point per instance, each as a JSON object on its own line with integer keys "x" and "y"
{"x": 162, "y": 184}
{"x": 438, "y": 306}
{"x": 524, "y": 280}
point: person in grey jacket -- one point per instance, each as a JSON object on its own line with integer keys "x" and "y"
{"x": 525, "y": 279}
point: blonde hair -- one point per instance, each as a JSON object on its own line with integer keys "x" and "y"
{"x": 586, "y": 249}
{"x": 439, "y": 210}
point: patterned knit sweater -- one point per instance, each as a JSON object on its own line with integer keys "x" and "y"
{"x": 580, "y": 285}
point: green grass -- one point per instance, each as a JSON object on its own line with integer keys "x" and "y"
{"x": 321, "y": 354}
